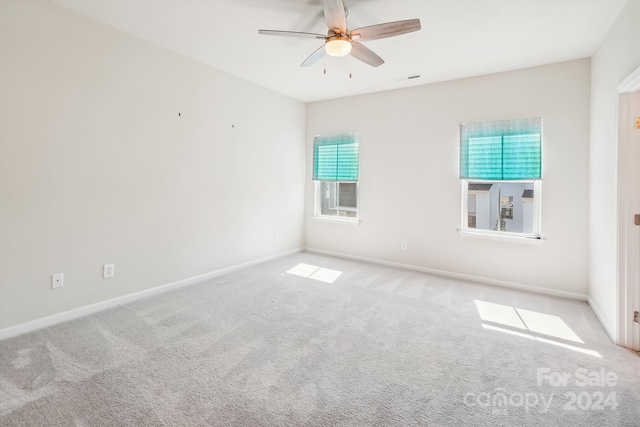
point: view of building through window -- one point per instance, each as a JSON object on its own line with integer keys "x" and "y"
{"x": 338, "y": 199}
{"x": 501, "y": 206}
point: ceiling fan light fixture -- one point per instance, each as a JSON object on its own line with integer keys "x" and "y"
{"x": 338, "y": 46}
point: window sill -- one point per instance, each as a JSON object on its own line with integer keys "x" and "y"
{"x": 502, "y": 237}
{"x": 337, "y": 220}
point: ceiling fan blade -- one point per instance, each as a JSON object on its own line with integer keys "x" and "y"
{"x": 314, "y": 57}
{"x": 389, "y": 29}
{"x": 291, "y": 34}
{"x": 365, "y": 55}
{"x": 335, "y": 15}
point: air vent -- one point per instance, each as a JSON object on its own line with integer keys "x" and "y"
{"x": 410, "y": 77}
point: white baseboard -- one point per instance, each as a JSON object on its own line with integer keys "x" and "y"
{"x": 470, "y": 278}
{"x": 609, "y": 329}
{"x": 64, "y": 316}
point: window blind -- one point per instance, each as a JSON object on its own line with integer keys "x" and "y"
{"x": 501, "y": 150}
{"x": 335, "y": 158}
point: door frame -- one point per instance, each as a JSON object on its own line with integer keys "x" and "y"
{"x": 628, "y": 289}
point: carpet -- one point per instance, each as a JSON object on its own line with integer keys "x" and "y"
{"x": 311, "y": 340}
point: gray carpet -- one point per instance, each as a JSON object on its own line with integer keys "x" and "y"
{"x": 377, "y": 347}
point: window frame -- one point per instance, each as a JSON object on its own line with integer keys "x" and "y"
{"x": 486, "y": 163}
{"x": 340, "y": 178}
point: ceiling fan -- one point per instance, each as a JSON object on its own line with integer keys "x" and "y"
{"x": 341, "y": 42}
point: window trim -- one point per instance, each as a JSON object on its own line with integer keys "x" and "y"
{"x": 336, "y": 220}
{"x": 502, "y": 237}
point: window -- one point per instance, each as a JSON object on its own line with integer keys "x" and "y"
{"x": 335, "y": 172}
{"x": 501, "y": 171}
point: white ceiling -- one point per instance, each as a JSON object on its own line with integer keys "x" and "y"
{"x": 459, "y": 38}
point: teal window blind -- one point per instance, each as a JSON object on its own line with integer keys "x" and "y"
{"x": 335, "y": 158}
{"x": 501, "y": 150}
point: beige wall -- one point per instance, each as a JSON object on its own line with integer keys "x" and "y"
{"x": 97, "y": 166}
{"x": 615, "y": 59}
{"x": 409, "y": 186}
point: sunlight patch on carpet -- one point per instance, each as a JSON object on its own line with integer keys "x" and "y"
{"x": 529, "y": 324}
{"x": 314, "y": 272}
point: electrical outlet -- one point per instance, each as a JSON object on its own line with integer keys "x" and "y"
{"x": 57, "y": 281}
{"x": 108, "y": 270}
{"x": 403, "y": 245}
